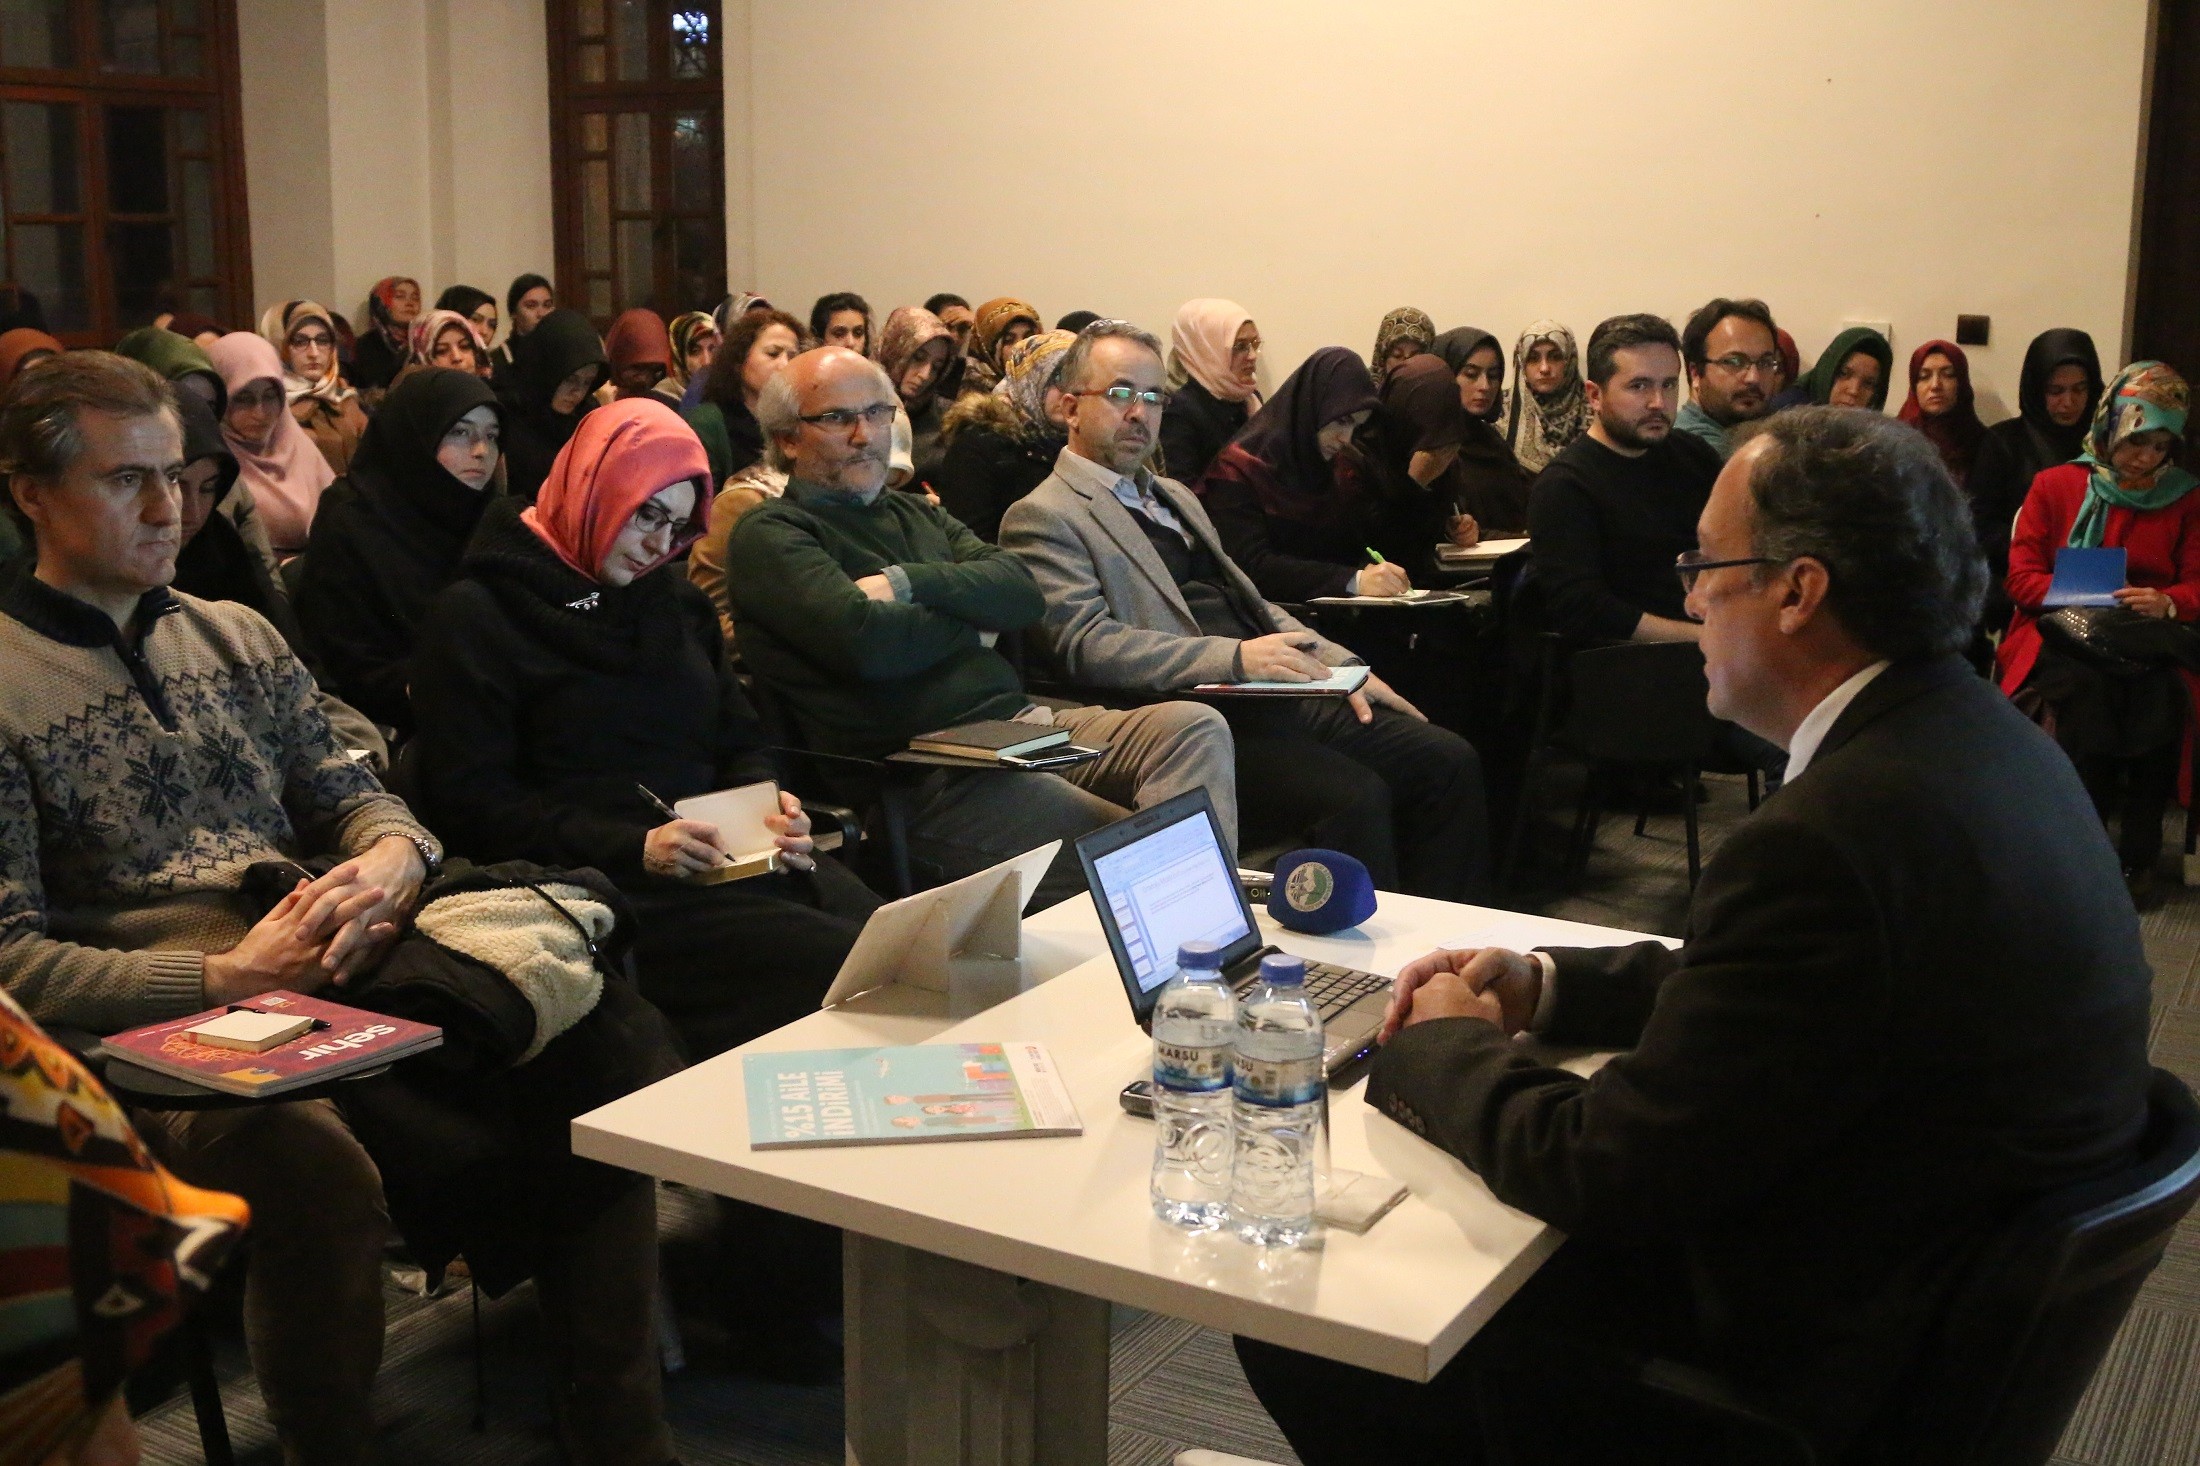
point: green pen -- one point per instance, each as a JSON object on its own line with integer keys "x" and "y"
{"x": 1375, "y": 556}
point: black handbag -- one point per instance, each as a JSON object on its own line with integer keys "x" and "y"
{"x": 2119, "y": 641}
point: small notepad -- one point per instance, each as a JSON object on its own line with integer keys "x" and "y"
{"x": 249, "y": 1032}
{"x": 2085, "y": 577}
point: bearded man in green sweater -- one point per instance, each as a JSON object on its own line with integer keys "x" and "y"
{"x": 874, "y": 616}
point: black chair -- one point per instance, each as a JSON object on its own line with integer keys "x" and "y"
{"x": 823, "y": 779}
{"x": 2034, "y": 1315}
{"x": 1631, "y": 710}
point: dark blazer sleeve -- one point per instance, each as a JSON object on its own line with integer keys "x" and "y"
{"x": 469, "y": 697}
{"x": 1243, "y": 527}
{"x": 1764, "y": 1040}
{"x": 1564, "y": 528}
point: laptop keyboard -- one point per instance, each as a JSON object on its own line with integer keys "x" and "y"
{"x": 1334, "y": 989}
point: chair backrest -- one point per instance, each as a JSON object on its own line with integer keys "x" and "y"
{"x": 2034, "y": 1316}
{"x": 1639, "y": 702}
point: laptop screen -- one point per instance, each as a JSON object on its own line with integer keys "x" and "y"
{"x": 1160, "y": 879}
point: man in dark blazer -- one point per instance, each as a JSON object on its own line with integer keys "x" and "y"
{"x": 1911, "y": 998}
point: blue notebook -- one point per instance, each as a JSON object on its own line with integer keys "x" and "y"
{"x": 2085, "y": 578}
{"x": 923, "y": 1092}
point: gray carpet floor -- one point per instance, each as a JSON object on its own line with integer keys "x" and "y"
{"x": 1173, "y": 1385}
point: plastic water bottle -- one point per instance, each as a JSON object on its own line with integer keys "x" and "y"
{"x": 1194, "y": 1023}
{"x": 1278, "y": 1098}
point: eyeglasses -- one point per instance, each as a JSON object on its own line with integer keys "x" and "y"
{"x": 1246, "y": 348}
{"x": 653, "y": 516}
{"x": 1692, "y": 564}
{"x": 1123, "y": 397}
{"x": 1737, "y": 363}
{"x": 841, "y": 419}
{"x": 312, "y": 338}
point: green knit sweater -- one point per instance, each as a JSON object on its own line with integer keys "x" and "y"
{"x": 862, "y": 676}
{"x": 137, "y": 784}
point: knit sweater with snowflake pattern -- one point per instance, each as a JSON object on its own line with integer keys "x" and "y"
{"x": 136, "y": 786}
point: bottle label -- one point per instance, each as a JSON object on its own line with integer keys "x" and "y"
{"x": 1278, "y": 1082}
{"x": 1191, "y": 1066}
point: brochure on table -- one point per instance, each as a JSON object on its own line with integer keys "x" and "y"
{"x": 963, "y": 939}
{"x": 965, "y": 1091}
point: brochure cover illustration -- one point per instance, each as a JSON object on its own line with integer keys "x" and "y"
{"x": 886, "y": 1096}
{"x": 343, "y": 1040}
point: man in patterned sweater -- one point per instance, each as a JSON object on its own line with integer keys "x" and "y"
{"x": 153, "y": 746}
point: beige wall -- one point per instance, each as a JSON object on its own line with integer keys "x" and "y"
{"x": 394, "y": 137}
{"x": 1489, "y": 161}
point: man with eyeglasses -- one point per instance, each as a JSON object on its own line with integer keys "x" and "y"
{"x": 875, "y": 615}
{"x": 1912, "y": 1001}
{"x": 1141, "y": 598}
{"x": 1732, "y": 350}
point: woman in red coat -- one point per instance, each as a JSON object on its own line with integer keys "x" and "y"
{"x": 2124, "y": 733}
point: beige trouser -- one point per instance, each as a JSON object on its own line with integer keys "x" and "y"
{"x": 313, "y": 1286}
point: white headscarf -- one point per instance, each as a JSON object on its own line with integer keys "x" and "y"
{"x": 1199, "y": 349}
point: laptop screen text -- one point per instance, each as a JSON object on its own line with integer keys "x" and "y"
{"x": 1168, "y": 888}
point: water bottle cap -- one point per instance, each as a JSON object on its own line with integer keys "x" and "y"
{"x": 1199, "y": 957}
{"x": 1281, "y": 969}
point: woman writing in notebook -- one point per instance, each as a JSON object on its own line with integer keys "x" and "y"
{"x": 2126, "y": 491}
{"x": 572, "y": 663}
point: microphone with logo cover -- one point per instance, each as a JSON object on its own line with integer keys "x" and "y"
{"x": 1320, "y": 891}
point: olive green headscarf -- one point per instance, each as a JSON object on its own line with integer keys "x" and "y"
{"x": 1820, "y": 378}
{"x": 175, "y": 357}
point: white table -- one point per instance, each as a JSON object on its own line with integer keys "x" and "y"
{"x": 979, "y": 1274}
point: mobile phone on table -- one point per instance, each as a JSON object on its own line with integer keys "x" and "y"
{"x": 1137, "y": 1098}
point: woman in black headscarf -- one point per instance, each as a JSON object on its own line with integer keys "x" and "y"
{"x": 389, "y": 534}
{"x": 2057, "y": 395}
{"x": 1298, "y": 506}
{"x": 556, "y": 369}
{"x": 1491, "y": 484}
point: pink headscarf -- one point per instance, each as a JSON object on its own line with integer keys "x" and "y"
{"x": 429, "y": 325}
{"x": 620, "y": 457}
{"x": 1200, "y": 341}
{"x": 286, "y": 473}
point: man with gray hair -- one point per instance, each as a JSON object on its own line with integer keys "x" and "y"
{"x": 1912, "y": 1000}
{"x": 874, "y": 616}
{"x": 1141, "y": 598}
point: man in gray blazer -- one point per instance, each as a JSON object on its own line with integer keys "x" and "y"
{"x": 1141, "y": 599}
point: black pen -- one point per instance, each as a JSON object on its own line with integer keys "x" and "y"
{"x": 672, "y": 814}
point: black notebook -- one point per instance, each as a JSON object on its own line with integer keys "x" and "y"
{"x": 996, "y": 739}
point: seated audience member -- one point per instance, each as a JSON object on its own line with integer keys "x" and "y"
{"x": 529, "y": 299}
{"x": 1412, "y": 443}
{"x": 87, "y": 1203}
{"x": 695, "y": 337}
{"x": 201, "y": 331}
{"x": 223, "y": 555}
{"x": 1001, "y": 445}
{"x": 478, "y": 306}
{"x": 1611, "y": 512}
{"x": 313, "y": 380}
{"x": 1404, "y": 334}
{"x": 871, "y": 614}
{"x": 572, "y": 661}
{"x": 441, "y": 338}
{"x": 1854, "y": 370}
{"x": 955, "y": 314}
{"x": 1493, "y": 487}
{"x": 1214, "y": 353}
{"x": 183, "y": 362}
{"x": 1940, "y": 406}
{"x": 279, "y": 465}
{"x": 392, "y": 306}
{"x": 21, "y": 347}
{"x": 1791, "y": 360}
{"x": 2125, "y": 734}
{"x": 2057, "y": 395}
{"x": 123, "y": 862}
{"x": 1912, "y": 1001}
{"x": 758, "y": 345}
{"x": 1141, "y": 597}
{"x": 759, "y": 483}
{"x": 1732, "y": 351}
{"x": 390, "y": 535}
{"x": 555, "y": 373}
{"x": 1076, "y": 321}
{"x": 1546, "y": 409}
{"x": 639, "y": 349}
{"x": 843, "y": 319}
{"x": 915, "y": 349}
{"x": 999, "y": 324}
{"x": 1296, "y": 503}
